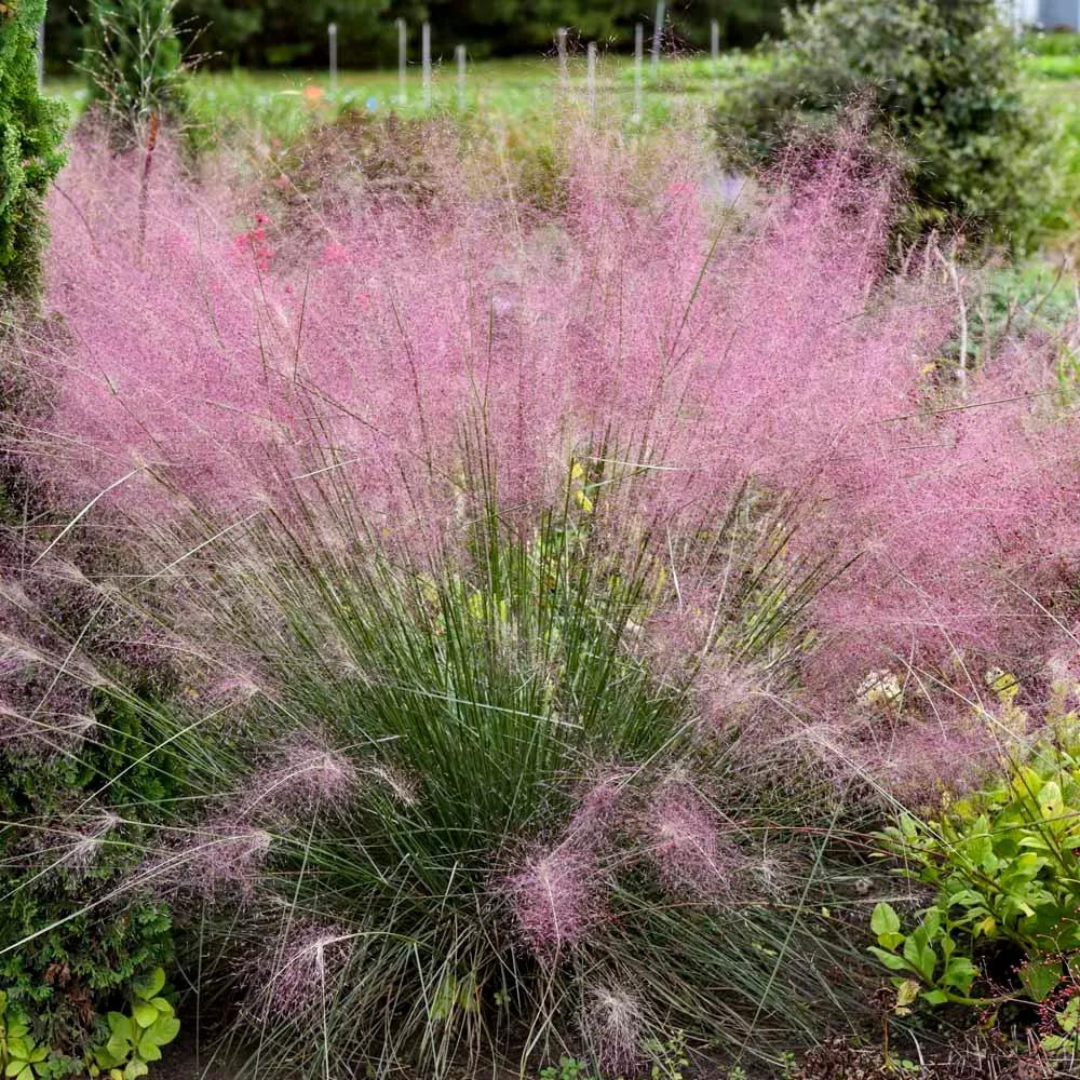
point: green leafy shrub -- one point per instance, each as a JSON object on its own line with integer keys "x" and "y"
{"x": 136, "y": 1038}
{"x": 1005, "y": 866}
{"x": 69, "y": 950}
{"x": 134, "y": 63}
{"x": 21, "y": 1056}
{"x": 132, "y": 1041}
{"x": 941, "y": 78}
{"x": 31, "y": 127}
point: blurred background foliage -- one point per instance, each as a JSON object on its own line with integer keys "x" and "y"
{"x": 280, "y": 34}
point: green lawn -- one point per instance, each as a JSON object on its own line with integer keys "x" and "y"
{"x": 512, "y": 92}
{"x": 516, "y": 98}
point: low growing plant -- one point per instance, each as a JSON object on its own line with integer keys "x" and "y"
{"x": 1003, "y": 862}
{"x": 136, "y": 1037}
{"x": 20, "y": 1055}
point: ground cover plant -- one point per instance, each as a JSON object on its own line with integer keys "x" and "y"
{"x": 453, "y": 614}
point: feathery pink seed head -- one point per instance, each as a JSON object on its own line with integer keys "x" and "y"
{"x": 307, "y": 776}
{"x": 685, "y": 843}
{"x": 86, "y": 841}
{"x": 557, "y": 897}
{"x": 304, "y": 970}
{"x": 614, "y": 1027}
{"x": 222, "y": 859}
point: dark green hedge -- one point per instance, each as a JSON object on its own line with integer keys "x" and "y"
{"x": 278, "y": 33}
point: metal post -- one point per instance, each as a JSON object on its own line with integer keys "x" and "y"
{"x": 639, "y": 62}
{"x": 425, "y": 60}
{"x": 460, "y": 54}
{"x": 564, "y": 71}
{"x": 658, "y": 36}
{"x": 714, "y": 48}
{"x": 402, "y": 58}
{"x": 331, "y": 33}
{"x": 591, "y": 76}
{"x": 41, "y": 54}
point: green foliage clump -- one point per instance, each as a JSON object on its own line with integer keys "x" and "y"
{"x": 21, "y": 1056}
{"x": 939, "y": 77}
{"x": 134, "y": 62}
{"x": 131, "y": 1042}
{"x": 136, "y": 1037}
{"x": 1005, "y": 866}
{"x": 70, "y": 943}
{"x": 31, "y": 127}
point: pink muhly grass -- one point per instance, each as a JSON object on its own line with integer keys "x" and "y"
{"x": 86, "y": 841}
{"x": 233, "y": 689}
{"x": 940, "y": 752}
{"x": 220, "y": 860}
{"x": 402, "y": 788}
{"x": 614, "y": 1028}
{"x": 306, "y": 776}
{"x": 599, "y": 808}
{"x": 43, "y": 732}
{"x": 44, "y": 710}
{"x": 302, "y": 970}
{"x": 557, "y": 896}
{"x": 685, "y": 842}
{"x": 71, "y": 844}
{"x": 208, "y": 378}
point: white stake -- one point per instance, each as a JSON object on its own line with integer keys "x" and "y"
{"x": 402, "y": 58}
{"x": 564, "y": 71}
{"x": 639, "y": 61}
{"x": 591, "y": 76}
{"x": 331, "y": 33}
{"x": 425, "y": 60}
{"x": 460, "y": 54}
{"x": 714, "y": 33}
{"x": 658, "y": 36}
{"x": 41, "y": 54}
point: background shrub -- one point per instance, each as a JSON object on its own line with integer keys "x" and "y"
{"x": 31, "y": 127}
{"x": 133, "y": 59}
{"x": 939, "y": 76}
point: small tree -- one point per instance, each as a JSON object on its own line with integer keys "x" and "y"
{"x": 941, "y": 77}
{"x": 135, "y": 67}
{"x": 31, "y": 128}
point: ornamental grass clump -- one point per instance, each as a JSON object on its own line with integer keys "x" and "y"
{"x": 460, "y": 761}
{"x": 773, "y": 349}
{"x": 498, "y": 563}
